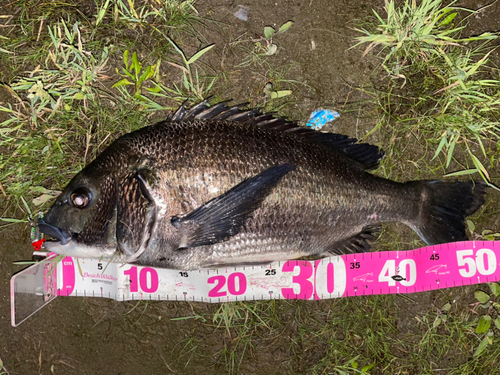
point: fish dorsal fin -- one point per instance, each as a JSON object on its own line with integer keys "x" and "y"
{"x": 365, "y": 154}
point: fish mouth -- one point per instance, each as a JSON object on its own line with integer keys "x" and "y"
{"x": 61, "y": 235}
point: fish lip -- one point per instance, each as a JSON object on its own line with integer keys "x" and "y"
{"x": 61, "y": 235}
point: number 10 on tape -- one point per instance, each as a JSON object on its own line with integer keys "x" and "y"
{"x": 428, "y": 268}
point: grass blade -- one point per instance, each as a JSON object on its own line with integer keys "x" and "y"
{"x": 200, "y": 53}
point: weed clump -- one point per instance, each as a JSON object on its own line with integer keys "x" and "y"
{"x": 69, "y": 99}
{"x": 437, "y": 85}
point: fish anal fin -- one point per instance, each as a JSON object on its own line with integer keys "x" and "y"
{"x": 223, "y": 217}
{"x": 355, "y": 244}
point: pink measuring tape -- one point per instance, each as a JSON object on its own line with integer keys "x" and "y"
{"x": 386, "y": 272}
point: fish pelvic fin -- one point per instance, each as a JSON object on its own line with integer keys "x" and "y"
{"x": 444, "y": 208}
{"x": 357, "y": 243}
{"x": 223, "y": 217}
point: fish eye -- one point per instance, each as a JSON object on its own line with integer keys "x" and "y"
{"x": 81, "y": 197}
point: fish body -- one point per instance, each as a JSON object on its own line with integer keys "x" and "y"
{"x": 214, "y": 186}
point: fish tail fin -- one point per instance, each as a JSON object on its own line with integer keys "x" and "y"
{"x": 444, "y": 209}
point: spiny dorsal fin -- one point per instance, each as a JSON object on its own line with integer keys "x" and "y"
{"x": 367, "y": 155}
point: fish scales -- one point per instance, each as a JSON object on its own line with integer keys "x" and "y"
{"x": 196, "y": 192}
{"x": 226, "y": 154}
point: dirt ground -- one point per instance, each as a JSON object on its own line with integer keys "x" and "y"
{"x": 100, "y": 336}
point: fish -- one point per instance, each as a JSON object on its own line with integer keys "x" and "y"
{"x": 218, "y": 185}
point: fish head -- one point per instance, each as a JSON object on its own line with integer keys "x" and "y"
{"x": 82, "y": 221}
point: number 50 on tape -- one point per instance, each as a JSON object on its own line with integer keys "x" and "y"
{"x": 428, "y": 268}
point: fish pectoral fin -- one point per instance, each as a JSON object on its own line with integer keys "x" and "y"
{"x": 137, "y": 217}
{"x": 223, "y": 217}
{"x": 355, "y": 244}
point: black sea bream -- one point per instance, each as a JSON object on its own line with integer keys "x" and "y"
{"x": 214, "y": 186}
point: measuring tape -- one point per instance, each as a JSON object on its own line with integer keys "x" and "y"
{"x": 386, "y": 272}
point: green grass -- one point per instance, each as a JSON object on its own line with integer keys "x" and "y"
{"x": 372, "y": 335}
{"x": 437, "y": 86}
{"x": 243, "y": 323}
{"x": 64, "y": 106}
{"x": 3, "y": 370}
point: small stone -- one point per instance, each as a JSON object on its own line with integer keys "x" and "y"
{"x": 242, "y": 13}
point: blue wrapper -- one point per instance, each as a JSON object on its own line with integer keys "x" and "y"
{"x": 320, "y": 117}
